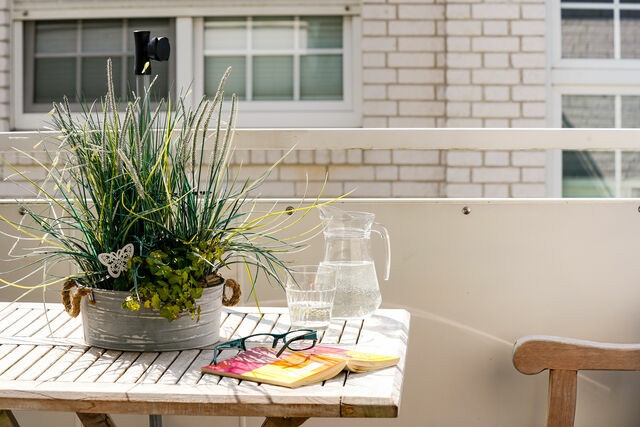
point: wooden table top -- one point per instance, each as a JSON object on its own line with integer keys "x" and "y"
{"x": 45, "y": 365}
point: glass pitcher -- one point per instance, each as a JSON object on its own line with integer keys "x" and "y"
{"x": 348, "y": 250}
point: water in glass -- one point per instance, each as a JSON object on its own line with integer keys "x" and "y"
{"x": 310, "y": 295}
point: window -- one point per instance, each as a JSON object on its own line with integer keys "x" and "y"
{"x": 290, "y": 68}
{"x": 594, "y": 77}
{"x": 69, "y": 58}
{"x": 600, "y": 29}
{"x": 276, "y": 58}
{"x": 601, "y": 173}
{"x": 286, "y": 70}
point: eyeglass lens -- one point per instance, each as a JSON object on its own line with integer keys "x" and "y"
{"x": 296, "y": 340}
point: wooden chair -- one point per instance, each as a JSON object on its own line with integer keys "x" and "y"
{"x": 564, "y": 358}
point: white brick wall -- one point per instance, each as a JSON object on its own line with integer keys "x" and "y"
{"x": 371, "y": 173}
{"x": 4, "y": 65}
{"x": 496, "y": 174}
{"x": 426, "y": 63}
{"x": 492, "y": 75}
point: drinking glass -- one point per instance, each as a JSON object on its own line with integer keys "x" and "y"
{"x": 310, "y": 293}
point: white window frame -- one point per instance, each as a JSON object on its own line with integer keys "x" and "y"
{"x": 615, "y": 91}
{"x": 596, "y": 63}
{"x": 589, "y": 72}
{"x": 122, "y": 54}
{"x": 20, "y": 118}
{"x": 295, "y": 51}
{"x": 297, "y": 113}
{"x": 189, "y": 58}
{"x": 599, "y": 76}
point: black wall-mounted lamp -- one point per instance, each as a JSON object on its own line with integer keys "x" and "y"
{"x": 147, "y": 49}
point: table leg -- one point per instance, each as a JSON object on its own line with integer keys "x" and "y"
{"x": 95, "y": 420}
{"x": 284, "y": 421}
{"x": 155, "y": 420}
{"x": 7, "y": 419}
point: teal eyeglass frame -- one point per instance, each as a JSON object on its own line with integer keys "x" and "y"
{"x": 240, "y": 343}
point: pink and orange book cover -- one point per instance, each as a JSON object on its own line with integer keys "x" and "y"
{"x": 293, "y": 369}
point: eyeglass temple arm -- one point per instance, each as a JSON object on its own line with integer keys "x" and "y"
{"x": 227, "y": 345}
{"x": 286, "y": 344}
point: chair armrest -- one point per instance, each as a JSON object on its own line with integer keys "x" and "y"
{"x": 534, "y": 353}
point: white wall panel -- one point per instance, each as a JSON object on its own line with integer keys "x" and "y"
{"x": 475, "y": 283}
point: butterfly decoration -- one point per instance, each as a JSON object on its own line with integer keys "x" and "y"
{"x": 117, "y": 262}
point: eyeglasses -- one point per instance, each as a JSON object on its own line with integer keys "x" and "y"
{"x": 296, "y": 340}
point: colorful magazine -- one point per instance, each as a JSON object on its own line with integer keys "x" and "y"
{"x": 297, "y": 368}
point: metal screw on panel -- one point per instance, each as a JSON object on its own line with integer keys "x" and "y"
{"x": 638, "y": 208}
{"x": 22, "y": 210}
{"x": 289, "y": 210}
{"x": 466, "y": 210}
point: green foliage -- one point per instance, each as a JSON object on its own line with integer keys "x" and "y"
{"x": 169, "y": 279}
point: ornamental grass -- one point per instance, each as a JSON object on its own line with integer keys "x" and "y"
{"x": 153, "y": 177}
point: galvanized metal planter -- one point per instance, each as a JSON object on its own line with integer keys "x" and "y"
{"x": 106, "y": 324}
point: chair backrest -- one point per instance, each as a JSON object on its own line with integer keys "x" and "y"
{"x": 564, "y": 357}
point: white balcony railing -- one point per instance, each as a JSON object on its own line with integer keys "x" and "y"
{"x": 417, "y": 139}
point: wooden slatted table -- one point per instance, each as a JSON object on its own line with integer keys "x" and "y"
{"x": 45, "y": 365}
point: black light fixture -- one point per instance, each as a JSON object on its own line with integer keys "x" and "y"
{"x": 147, "y": 49}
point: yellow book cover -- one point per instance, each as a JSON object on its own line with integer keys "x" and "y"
{"x": 357, "y": 361}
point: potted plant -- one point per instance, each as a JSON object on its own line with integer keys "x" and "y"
{"x": 141, "y": 198}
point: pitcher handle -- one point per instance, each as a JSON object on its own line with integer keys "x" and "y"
{"x": 382, "y": 231}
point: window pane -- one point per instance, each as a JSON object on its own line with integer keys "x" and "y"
{"x": 630, "y": 112}
{"x": 102, "y": 36}
{"x": 56, "y": 37}
{"x": 160, "y": 87}
{"x": 588, "y": 111}
{"x": 94, "y": 82}
{"x": 272, "y": 77}
{"x": 321, "y": 77}
{"x": 630, "y": 174}
{"x": 587, "y": 33}
{"x": 630, "y": 33}
{"x": 100, "y": 39}
{"x": 214, "y": 68}
{"x": 225, "y": 34}
{"x": 272, "y": 33}
{"x": 321, "y": 32}
{"x": 54, "y": 78}
{"x": 588, "y": 173}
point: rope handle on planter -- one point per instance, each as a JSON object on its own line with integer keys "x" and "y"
{"x": 214, "y": 279}
{"x": 71, "y": 298}
{"x": 235, "y": 296}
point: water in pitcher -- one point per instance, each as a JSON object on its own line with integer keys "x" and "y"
{"x": 355, "y": 295}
